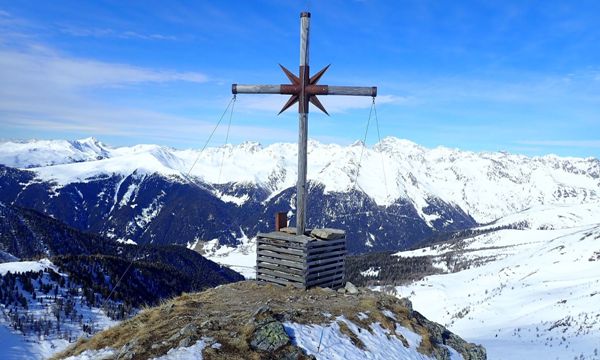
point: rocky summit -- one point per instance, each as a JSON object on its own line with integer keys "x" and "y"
{"x": 250, "y": 320}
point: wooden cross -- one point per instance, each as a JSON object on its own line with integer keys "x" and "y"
{"x": 303, "y": 89}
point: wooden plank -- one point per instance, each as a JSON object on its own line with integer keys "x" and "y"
{"x": 280, "y": 281}
{"x": 312, "y": 275}
{"x": 277, "y": 255}
{"x": 352, "y": 90}
{"x": 325, "y": 255}
{"x": 256, "y": 89}
{"x": 325, "y": 261}
{"x": 325, "y": 251}
{"x": 316, "y": 250}
{"x": 323, "y": 267}
{"x": 295, "y": 265}
{"x": 318, "y": 243}
{"x": 280, "y": 274}
{"x": 301, "y": 190}
{"x": 281, "y": 249}
{"x": 275, "y": 242}
{"x": 328, "y": 279}
{"x": 302, "y": 239}
{"x": 281, "y": 268}
{"x": 324, "y": 273}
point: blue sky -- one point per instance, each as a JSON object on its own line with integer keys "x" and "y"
{"x": 516, "y": 76}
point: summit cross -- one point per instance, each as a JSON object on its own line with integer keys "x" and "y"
{"x": 303, "y": 89}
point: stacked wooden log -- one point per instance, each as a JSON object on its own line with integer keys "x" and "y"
{"x": 303, "y": 261}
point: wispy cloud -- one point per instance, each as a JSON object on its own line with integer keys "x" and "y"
{"x": 42, "y": 69}
{"x": 333, "y": 104}
{"x": 113, "y": 33}
{"x": 51, "y": 92}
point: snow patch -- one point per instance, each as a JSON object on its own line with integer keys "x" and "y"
{"x": 19, "y": 267}
{"x": 328, "y": 342}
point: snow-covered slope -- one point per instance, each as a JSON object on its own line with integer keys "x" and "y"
{"x": 36, "y": 153}
{"x": 487, "y": 186}
{"x": 43, "y": 311}
{"x": 521, "y": 293}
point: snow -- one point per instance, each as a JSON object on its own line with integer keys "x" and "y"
{"x": 527, "y": 292}
{"x": 371, "y": 272}
{"x": 35, "y": 153}
{"x": 193, "y": 352}
{"x": 16, "y": 347}
{"x": 18, "y": 267}
{"x": 238, "y": 200}
{"x": 31, "y": 345}
{"x": 390, "y": 170}
{"x": 102, "y": 354}
{"x": 328, "y": 342}
{"x": 241, "y": 258}
{"x": 128, "y": 241}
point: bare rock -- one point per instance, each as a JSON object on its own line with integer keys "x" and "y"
{"x": 328, "y": 234}
{"x": 189, "y": 330}
{"x": 351, "y": 288}
{"x": 186, "y": 341}
{"x": 269, "y": 337}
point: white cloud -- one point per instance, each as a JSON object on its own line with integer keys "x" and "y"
{"x": 333, "y": 104}
{"x": 112, "y": 33}
{"x": 22, "y": 71}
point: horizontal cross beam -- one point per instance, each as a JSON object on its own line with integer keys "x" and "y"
{"x": 287, "y": 89}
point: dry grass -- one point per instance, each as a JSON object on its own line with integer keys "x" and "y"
{"x": 226, "y": 313}
{"x": 356, "y": 341}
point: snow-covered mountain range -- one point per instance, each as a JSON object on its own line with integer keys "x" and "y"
{"x": 398, "y": 191}
{"x": 392, "y": 169}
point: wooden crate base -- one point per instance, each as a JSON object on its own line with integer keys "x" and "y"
{"x": 300, "y": 261}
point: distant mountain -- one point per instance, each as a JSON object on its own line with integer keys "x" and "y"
{"x": 401, "y": 194}
{"x": 26, "y": 234}
{"x": 37, "y": 153}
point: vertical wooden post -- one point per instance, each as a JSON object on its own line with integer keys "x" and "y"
{"x": 303, "y": 90}
{"x": 301, "y": 192}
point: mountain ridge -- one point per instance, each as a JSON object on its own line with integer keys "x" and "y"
{"x": 273, "y": 168}
{"x": 400, "y": 194}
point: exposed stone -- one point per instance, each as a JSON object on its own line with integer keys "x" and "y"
{"x": 189, "y": 330}
{"x": 288, "y": 230}
{"x": 328, "y": 233}
{"x": 261, "y": 310}
{"x": 210, "y": 325}
{"x": 406, "y": 303}
{"x": 186, "y": 341}
{"x": 127, "y": 352}
{"x": 174, "y": 337}
{"x": 351, "y": 288}
{"x": 440, "y": 335}
{"x": 269, "y": 337}
{"x": 292, "y": 230}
